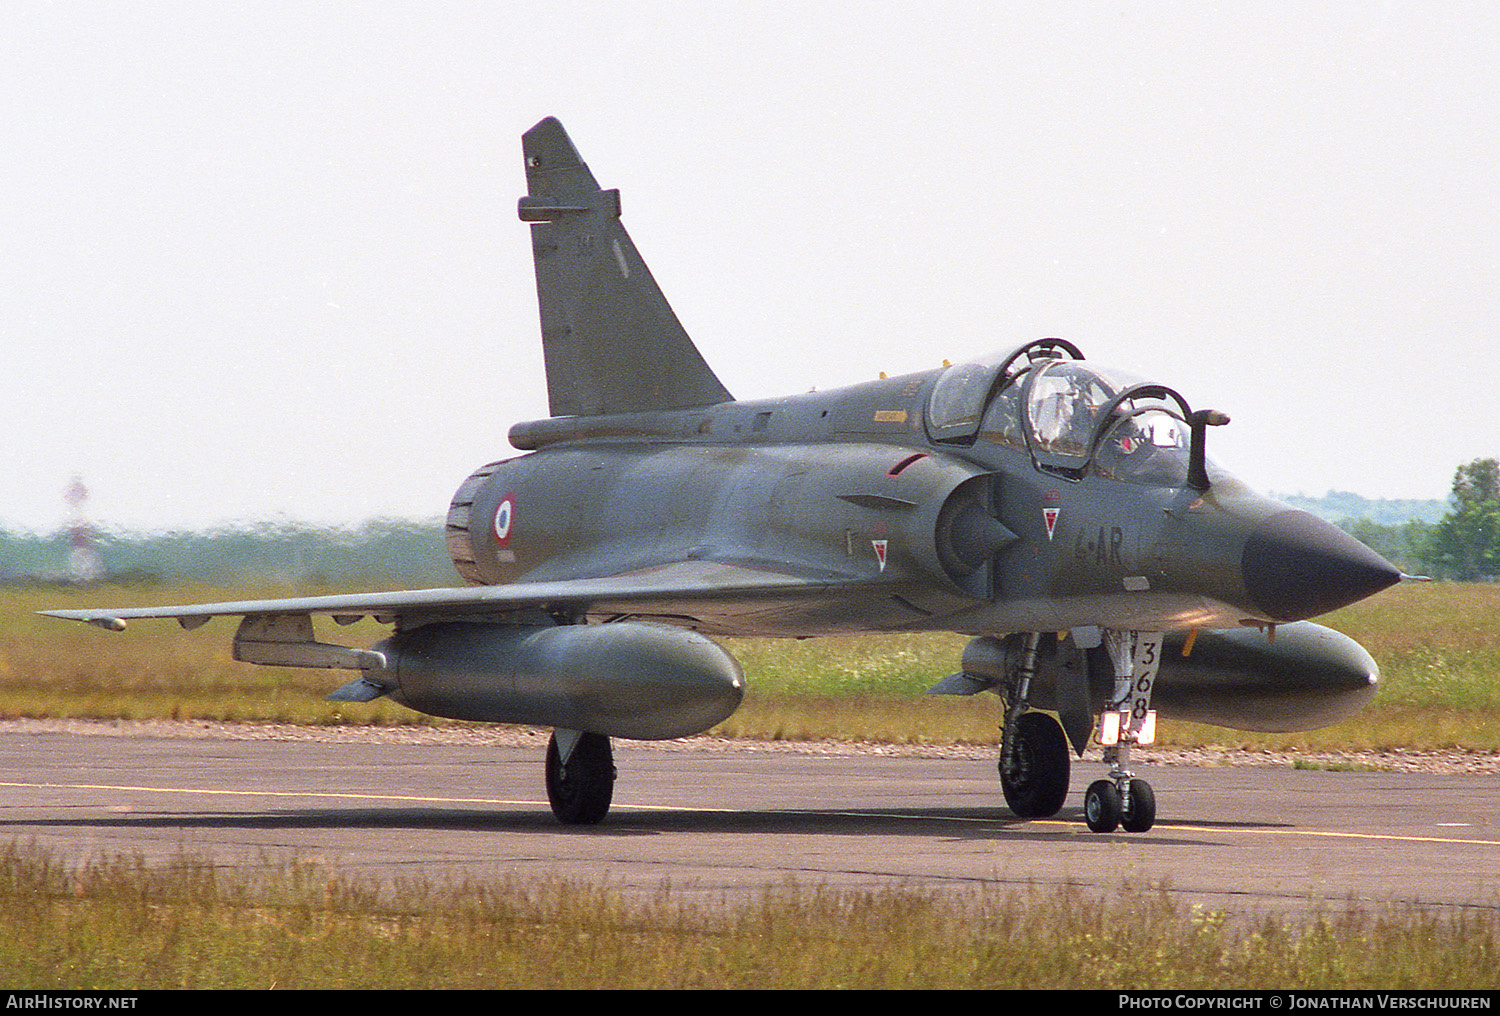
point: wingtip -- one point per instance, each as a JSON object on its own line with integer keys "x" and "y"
{"x": 106, "y": 622}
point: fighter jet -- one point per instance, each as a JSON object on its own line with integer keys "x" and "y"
{"x": 1063, "y": 514}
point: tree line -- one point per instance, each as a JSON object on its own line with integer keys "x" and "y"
{"x": 392, "y": 552}
{"x": 1464, "y": 545}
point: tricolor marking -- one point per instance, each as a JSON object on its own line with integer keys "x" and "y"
{"x": 504, "y": 516}
{"x": 1049, "y": 516}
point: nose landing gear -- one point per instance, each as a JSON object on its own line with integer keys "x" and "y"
{"x": 1125, "y": 800}
{"x": 1130, "y": 805}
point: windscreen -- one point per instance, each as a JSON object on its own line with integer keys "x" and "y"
{"x": 1148, "y": 446}
{"x": 1075, "y": 417}
{"x": 958, "y": 398}
{"x": 1063, "y": 402}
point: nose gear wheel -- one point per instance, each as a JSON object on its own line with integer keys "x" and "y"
{"x": 1139, "y": 811}
{"x": 1101, "y": 807}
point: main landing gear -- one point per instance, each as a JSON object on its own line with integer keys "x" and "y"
{"x": 1034, "y": 772}
{"x": 580, "y": 777}
{"x": 1034, "y": 760}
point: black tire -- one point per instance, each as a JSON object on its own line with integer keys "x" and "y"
{"x": 1141, "y": 815}
{"x": 580, "y": 792}
{"x": 1101, "y": 806}
{"x": 1036, "y": 784}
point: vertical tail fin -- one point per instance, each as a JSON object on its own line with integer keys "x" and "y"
{"x": 611, "y": 342}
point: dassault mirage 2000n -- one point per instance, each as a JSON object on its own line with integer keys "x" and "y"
{"x": 1061, "y": 513}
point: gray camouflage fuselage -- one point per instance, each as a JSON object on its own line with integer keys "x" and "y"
{"x": 813, "y": 481}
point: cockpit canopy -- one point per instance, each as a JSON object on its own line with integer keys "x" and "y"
{"x": 1072, "y": 418}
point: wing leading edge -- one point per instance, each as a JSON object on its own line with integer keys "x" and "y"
{"x": 682, "y": 588}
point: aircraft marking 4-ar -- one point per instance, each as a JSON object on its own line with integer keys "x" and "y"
{"x": 1063, "y": 514}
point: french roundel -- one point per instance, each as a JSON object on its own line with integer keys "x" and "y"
{"x": 503, "y": 516}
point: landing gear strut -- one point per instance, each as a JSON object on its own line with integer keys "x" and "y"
{"x": 580, "y": 777}
{"x": 1033, "y": 749}
{"x": 1124, "y": 800}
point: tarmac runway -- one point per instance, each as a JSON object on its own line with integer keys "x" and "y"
{"x": 722, "y": 819}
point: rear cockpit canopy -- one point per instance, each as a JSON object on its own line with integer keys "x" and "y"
{"x": 1071, "y": 417}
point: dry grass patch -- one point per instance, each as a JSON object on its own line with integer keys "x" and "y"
{"x": 118, "y": 923}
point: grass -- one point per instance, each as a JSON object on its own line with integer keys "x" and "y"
{"x": 117, "y": 922}
{"x": 1438, "y": 646}
{"x": 120, "y": 923}
{"x": 155, "y": 670}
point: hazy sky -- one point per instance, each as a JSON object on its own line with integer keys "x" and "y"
{"x": 261, "y": 260}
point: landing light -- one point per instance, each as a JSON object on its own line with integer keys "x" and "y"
{"x": 1109, "y": 729}
{"x": 1112, "y": 723}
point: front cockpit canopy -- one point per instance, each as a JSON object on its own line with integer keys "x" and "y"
{"x": 1070, "y": 416}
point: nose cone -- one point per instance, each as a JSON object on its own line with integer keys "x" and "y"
{"x": 1296, "y": 566}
